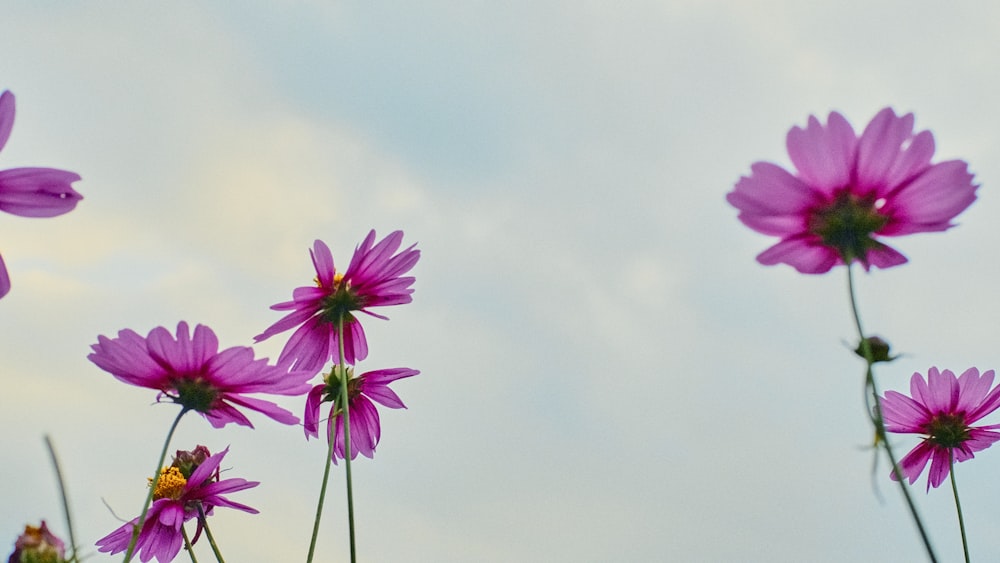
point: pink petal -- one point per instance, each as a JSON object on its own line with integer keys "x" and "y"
{"x": 879, "y": 148}
{"x": 884, "y": 256}
{"x": 823, "y": 155}
{"x": 931, "y": 200}
{"x": 38, "y": 192}
{"x": 4, "y": 279}
{"x": 805, "y": 255}
{"x": 323, "y": 263}
{"x": 6, "y": 116}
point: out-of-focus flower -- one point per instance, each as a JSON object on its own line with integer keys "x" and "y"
{"x": 175, "y": 501}
{"x": 38, "y": 545}
{"x": 361, "y": 391}
{"x": 31, "y": 192}
{"x": 879, "y": 349}
{"x": 848, "y": 191}
{"x": 192, "y": 372}
{"x": 374, "y": 278}
{"x": 942, "y": 408}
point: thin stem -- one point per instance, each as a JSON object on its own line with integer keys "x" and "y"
{"x": 152, "y": 486}
{"x": 345, "y": 409}
{"x": 958, "y": 504}
{"x": 322, "y": 489}
{"x": 62, "y": 493}
{"x": 187, "y": 545}
{"x": 208, "y": 532}
{"x": 876, "y": 416}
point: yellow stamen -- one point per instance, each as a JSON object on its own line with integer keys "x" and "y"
{"x": 170, "y": 485}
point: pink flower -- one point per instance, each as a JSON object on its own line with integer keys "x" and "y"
{"x": 31, "y": 192}
{"x": 361, "y": 391}
{"x": 849, "y": 191}
{"x": 38, "y": 545}
{"x": 177, "y": 498}
{"x": 374, "y": 278}
{"x": 942, "y": 408}
{"x": 193, "y": 373}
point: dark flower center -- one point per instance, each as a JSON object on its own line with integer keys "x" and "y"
{"x": 195, "y": 394}
{"x": 331, "y": 392}
{"x": 948, "y": 430}
{"x": 339, "y": 304}
{"x": 846, "y": 224}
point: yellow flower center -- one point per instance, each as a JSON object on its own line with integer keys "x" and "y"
{"x": 170, "y": 485}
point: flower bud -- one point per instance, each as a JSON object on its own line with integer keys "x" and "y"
{"x": 38, "y": 545}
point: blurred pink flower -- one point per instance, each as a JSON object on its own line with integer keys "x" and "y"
{"x": 31, "y": 192}
{"x": 848, "y": 191}
{"x": 943, "y": 409}
{"x": 192, "y": 372}
{"x": 374, "y": 278}
{"x": 38, "y": 545}
{"x": 361, "y": 391}
{"x": 175, "y": 501}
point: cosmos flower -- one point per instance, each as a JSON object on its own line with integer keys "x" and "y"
{"x": 31, "y": 192}
{"x": 192, "y": 372}
{"x": 850, "y": 191}
{"x": 361, "y": 391}
{"x": 179, "y": 492}
{"x": 374, "y": 278}
{"x": 942, "y": 408}
{"x": 38, "y": 545}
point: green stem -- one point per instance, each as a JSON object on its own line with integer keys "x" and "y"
{"x": 208, "y": 533}
{"x": 876, "y": 416}
{"x": 187, "y": 545}
{"x": 958, "y": 504}
{"x": 345, "y": 409}
{"x": 65, "y": 497}
{"x": 152, "y": 486}
{"x": 322, "y": 490}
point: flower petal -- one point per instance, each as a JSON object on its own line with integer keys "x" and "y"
{"x": 38, "y": 192}
{"x": 805, "y": 254}
{"x": 823, "y": 155}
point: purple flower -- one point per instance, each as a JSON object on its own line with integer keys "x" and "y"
{"x": 849, "y": 191}
{"x": 176, "y": 500}
{"x": 373, "y": 279}
{"x": 31, "y": 192}
{"x": 193, "y": 373}
{"x": 38, "y": 545}
{"x": 942, "y": 408}
{"x": 361, "y": 391}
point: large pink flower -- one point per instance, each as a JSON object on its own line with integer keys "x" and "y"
{"x": 366, "y": 428}
{"x": 848, "y": 191}
{"x": 192, "y": 372}
{"x": 181, "y": 489}
{"x": 31, "y": 192}
{"x": 943, "y": 409}
{"x": 374, "y": 278}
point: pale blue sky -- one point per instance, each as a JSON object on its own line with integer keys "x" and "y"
{"x": 607, "y": 374}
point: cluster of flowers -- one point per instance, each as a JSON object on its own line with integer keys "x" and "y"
{"x": 188, "y": 368}
{"x": 846, "y": 194}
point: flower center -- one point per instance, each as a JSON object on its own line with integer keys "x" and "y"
{"x": 170, "y": 485}
{"x": 195, "y": 393}
{"x": 340, "y": 302}
{"x": 948, "y": 430}
{"x": 846, "y": 224}
{"x": 332, "y": 380}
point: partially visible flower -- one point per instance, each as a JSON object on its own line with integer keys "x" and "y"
{"x": 175, "y": 501}
{"x": 943, "y": 408}
{"x": 192, "y": 372}
{"x": 849, "y": 191}
{"x": 38, "y": 545}
{"x": 374, "y": 278}
{"x": 879, "y": 349}
{"x": 361, "y": 391}
{"x": 31, "y": 192}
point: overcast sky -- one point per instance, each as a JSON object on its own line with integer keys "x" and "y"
{"x": 606, "y": 372}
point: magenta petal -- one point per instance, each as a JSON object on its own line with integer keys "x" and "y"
{"x": 823, "y": 155}
{"x": 879, "y": 147}
{"x": 932, "y": 200}
{"x": 805, "y": 256}
{"x": 38, "y": 192}
{"x": 912, "y": 465}
{"x": 310, "y": 419}
{"x": 323, "y": 263}
{"x": 884, "y": 256}
{"x": 6, "y": 116}
{"x": 4, "y": 279}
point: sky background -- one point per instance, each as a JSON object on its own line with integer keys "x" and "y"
{"x": 606, "y": 372}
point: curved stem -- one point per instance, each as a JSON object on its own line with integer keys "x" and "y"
{"x": 958, "y": 504}
{"x": 208, "y": 533}
{"x": 876, "y": 416}
{"x": 65, "y": 498}
{"x": 152, "y": 486}
{"x": 187, "y": 545}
